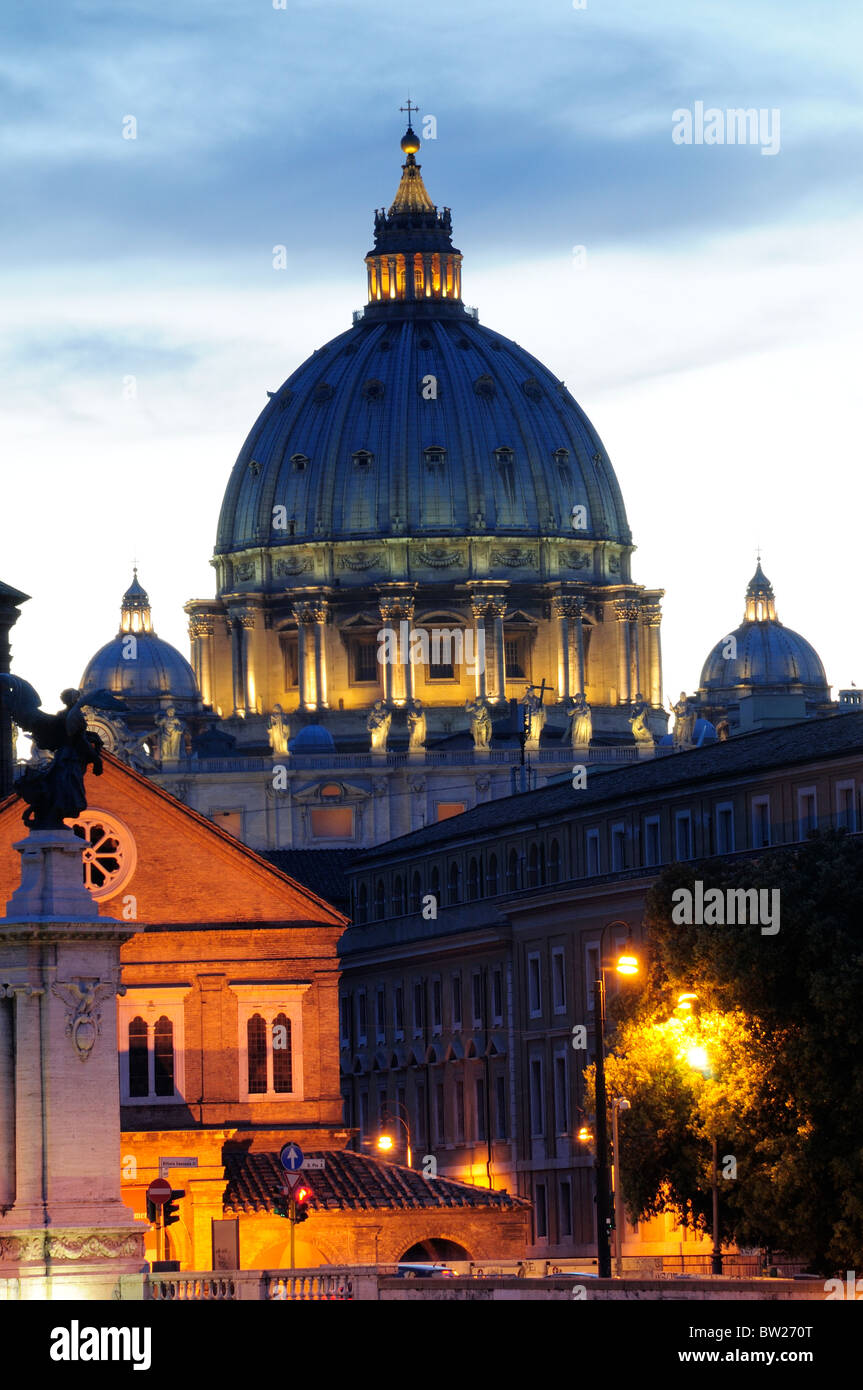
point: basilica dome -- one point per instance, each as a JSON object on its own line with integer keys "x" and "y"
{"x": 762, "y": 654}
{"x": 139, "y": 667}
{"x": 419, "y": 421}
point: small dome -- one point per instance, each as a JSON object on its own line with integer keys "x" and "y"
{"x": 703, "y": 732}
{"x": 410, "y": 141}
{"x": 762, "y": 654}
{"x": 314, "y": 738}
{"x": 147, "y": 674}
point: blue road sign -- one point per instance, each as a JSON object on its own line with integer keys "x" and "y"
{"x": 291, "y": 1157}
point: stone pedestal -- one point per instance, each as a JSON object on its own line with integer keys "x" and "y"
{"x": 64, "y": 1229}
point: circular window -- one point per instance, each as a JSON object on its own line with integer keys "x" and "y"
{"x": 109, "y": 855}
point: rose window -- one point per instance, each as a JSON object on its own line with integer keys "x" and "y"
{"x": 108, "y": 857}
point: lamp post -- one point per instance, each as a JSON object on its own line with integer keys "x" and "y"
{"x": 619, "y": 1106}
{"x": 627, "y": 964}
{"x": 385, "y": 1142}
{"x": 698, "y": 1058}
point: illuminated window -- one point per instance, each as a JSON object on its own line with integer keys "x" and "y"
{"x": 290, "y": 660}
{"x": 270, "y": 1036}
{"x": 163, "y": 1057}
{"x": 364, "y": 661}
{"x": 446, "y": 809}
{"x": 256, "y": 1043}
{"x": 516, "y": 650}
{"x": 150, "y": 1035}
{"x": 332, "y": 822}
{"x": 283, "y": 1059}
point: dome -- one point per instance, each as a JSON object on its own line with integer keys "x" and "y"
{"x": 314, "y": 738}
{"x": 418, "y": 420}
{"x": 152, "y": 672}
{"x": 761, "y": 653}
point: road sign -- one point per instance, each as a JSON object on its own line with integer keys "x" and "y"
{"x": 159, "y": 1192}
{"x": 177, "y": 1161}
{"x": 291, "y": 1157}
{"x": 313, "y": 1164}
{"x": 292, "y": 1180}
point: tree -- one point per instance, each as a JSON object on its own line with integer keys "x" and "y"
{"x": 781, "y": 1019}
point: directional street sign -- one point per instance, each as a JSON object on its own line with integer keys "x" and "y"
{"x": 313, "y": 1164}
{"x": 291, "y": 1157}
{"x": 159, "y": 1192}
{"x": 176, "y": 1161}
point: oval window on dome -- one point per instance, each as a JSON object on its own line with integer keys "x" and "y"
{"x": 322, "y": 392}
{"x": 484, "y": 386}
{"x": 362, "y": 458}
{"x": 532, "y": 389}
{"x": 435, "y": 456}
{"x": 299, "y": 462}
{"x": 373, "y": 390}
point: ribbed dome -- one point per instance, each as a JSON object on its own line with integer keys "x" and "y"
{"x": 765, "y": 654}
{"x": 138, "y": 666}
{"x": 348, "y": 444}
{"x": 417, "y": 421}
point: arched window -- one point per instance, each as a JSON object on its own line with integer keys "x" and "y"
{"x": 380, "y": 900}
{"x": 256, "y": 1040}
{"x": 283, "y": 1058}
{"x": 416, "y": 893}
{"x": 362, "y": 904}
{"x": 491, "y": 880}
{"x": 163, "y": 1057}
{"x": 139, "y": 1077}
{"x": 398, "y": 896}
{"x": 542, "y": 873}
{"x": 452, "y": 890}
{"x": 434, "y": 883}
{"x": 472, "y": 881}
{"x": 554, "y": 862}
{"x": 532, "y": 867}
{"x": 512, "y": 871}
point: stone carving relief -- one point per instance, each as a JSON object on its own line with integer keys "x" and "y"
{"x": 361, "y": 560}
{"x": 578, "y": 559}
{"x": 295, "y": 565}
{"x": 437, "y": 557}
{"x": 83, "y": 998}
{"x": 514, "y": 558}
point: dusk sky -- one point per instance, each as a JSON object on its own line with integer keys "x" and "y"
{"x": 709, "y": 327}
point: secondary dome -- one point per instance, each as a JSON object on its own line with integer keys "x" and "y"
{"x": 145, "y": 671}
{"x": 761, "y": 654}
{"x": 419, "y": 421}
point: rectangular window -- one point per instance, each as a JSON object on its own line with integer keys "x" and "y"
{"x": 445, "y": 810}
{"x": 725, "y": 829}
{"x": 683, "y": 834}
{"x": 537, "y": 1107}
{"x": 500, "y": 1124}
{"x": 846, "y": 810}
{"x": 256, "y": 1042}
{"x": 497, "y": 996}
{"x": 534, "y": 986}
{"x": 437, "y": 1006}
{"x": 456, "y": 1001}
{"x": 558, "y": 979}
{"x": 593, "y": 861}
{"x": 540, "y": 1210}
{"x": 652, "y": 844}
{"x": 515, "y": 655}
{"x": 760, "y": 822}
{"x": 476, "y": 995}
{"x": 440, "y": 1112}
{"x": 381, "y": 1014}
{"x": 479, "y": 1100}
{"x": 419, "y": 1011}
{"x": 561, "y": 1094}
{"x": 270, "y": 1040}
{"x": 618, "y": 848}
{"x": 345, "y": 1020}
{"x": 459, "y": 1111}
{"x": 291, "y": 662}
{"x": 366, "y": 667}
{"x": 420, "y": 1112}
{"x": 362, "y": 1019}
{"x": 332, "y": 822}
{"x": 591, "y": 974}
{"x": 564, "y": 1207}
{"x": 399, "y": 1010}
{"x": 364, "y": 1113}
{"x": 807, "y": 812}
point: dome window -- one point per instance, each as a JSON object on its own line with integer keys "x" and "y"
{"x": 373, "y": 390}
{"x": 323, "y": 392}
{"x": 532, "y": 389}
{"x": 363, "y": 459}
{"x": 435, "y": 456}
{"x": 299, "y": 462}
{"x": 561, "y": 458}
{"x": 426, "y": 343}
{"x": 484, "y": 386}
{"x": 504, "y": 455}
{"x": 254, "y": 467}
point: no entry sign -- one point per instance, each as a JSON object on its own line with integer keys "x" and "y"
{"x": 159, "y": 1192}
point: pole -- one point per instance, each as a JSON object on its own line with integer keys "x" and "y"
{"x": 603, "y": 1249}
{"x": 618, "y": 1193}
{"x": 292, "y": 1212}
{"x": 716, "y": 1262}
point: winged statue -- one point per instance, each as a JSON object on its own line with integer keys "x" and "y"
{"x": 54, "y": 792}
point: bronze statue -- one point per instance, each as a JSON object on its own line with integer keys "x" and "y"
{"x": 54, "y": 792}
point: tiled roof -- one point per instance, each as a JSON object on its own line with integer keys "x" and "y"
{"x": 351, "y": 1181}
{"x": 745, "y": 754}
{"x": 323, "y": 871}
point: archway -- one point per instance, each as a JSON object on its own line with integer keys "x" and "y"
{"x": 434, "y": 1250}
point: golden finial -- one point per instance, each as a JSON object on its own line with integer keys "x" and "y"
{"x": 410, "y": 139}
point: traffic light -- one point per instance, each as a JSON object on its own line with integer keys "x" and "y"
{"x": 170, "y": 1208}
{"x": 281, "y": 1206}
{"x": 302, "y": 1197}
{"x": 152, "y": 1212}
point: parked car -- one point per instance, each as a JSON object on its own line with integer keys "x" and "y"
{"x": 423, "y": 1271}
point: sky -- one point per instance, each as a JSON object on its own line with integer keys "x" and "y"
{"x": 702, "y": 301}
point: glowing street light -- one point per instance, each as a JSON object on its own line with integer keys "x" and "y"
{"x": 699, "y": 1060}
{"x": 627, "y": 964}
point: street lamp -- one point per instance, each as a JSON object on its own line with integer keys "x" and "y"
{"x": 386, "y": 1143}
{"x": 699, "y": 1059}
{"x": 619, "y": 1106}
{"x": 627, "y": 964}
